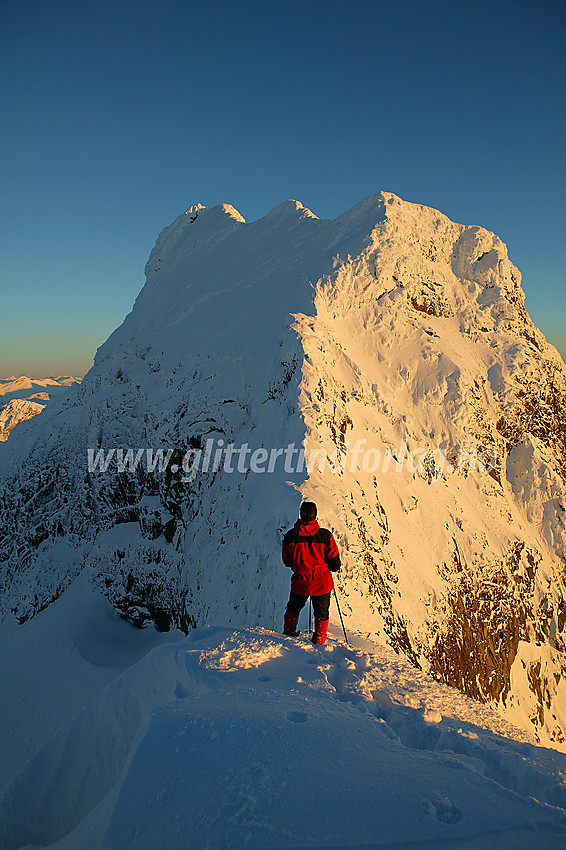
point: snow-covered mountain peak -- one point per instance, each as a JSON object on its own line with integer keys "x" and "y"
{"x": 290, "y": 208}
{"x": 195, "y": 208}
{"x": 395, "y": 344}
{"x": 233, "y": 212}
{"x": 191, "y": 230}
{"x": 20, "y": 399}
{"x": 194, "y": 211}
{"x": 19, "y": 386}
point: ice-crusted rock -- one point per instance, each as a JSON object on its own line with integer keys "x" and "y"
{"x": 393, "y": 342}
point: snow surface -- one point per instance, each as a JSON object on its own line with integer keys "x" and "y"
{"x": 247, "y": 739}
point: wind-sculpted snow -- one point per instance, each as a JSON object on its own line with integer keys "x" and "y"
{"x": 245, "y": 738}
{"x": 207, "y": 352}
{"x": 392, "y": 342}
{"x": 422, "y": 347}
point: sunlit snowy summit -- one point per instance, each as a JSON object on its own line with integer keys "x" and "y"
{"x": 22, "y": 398}
{"x": 382, "y": 364}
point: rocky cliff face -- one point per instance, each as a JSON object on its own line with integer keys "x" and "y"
{"x": 394, "y": 348}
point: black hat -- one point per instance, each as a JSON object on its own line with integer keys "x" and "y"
{"x": 308, "y": 511}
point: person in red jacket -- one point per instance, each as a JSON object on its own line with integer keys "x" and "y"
{"x": 311, "y": 552}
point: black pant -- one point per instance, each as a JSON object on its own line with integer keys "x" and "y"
{"x": 320, "y": 604}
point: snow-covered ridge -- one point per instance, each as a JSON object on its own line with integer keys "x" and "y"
{"x": 18, "y": 410}
{"x": 390, "y": 325}
{"x": 216, "y": 736}
{"x": 23, "y": 398}
{"x": 20, "y": 387}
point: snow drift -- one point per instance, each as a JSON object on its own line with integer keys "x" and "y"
{"x": 391, "y": 337}
{"x": 244, "y": 738}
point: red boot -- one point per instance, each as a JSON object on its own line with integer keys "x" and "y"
{"x": 290, "y": 624}
{"x": 319, "y": 634}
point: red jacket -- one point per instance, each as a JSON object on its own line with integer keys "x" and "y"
{"x": 311, "y": 552}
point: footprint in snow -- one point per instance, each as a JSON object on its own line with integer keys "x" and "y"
{"x": 313, "y": 659}
{"x": 442, "y": 809}
{"x": 264, "y": 678}
{"x": 297, "y": 716}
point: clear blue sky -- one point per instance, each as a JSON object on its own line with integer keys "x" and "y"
{"x": 119, "y": 115}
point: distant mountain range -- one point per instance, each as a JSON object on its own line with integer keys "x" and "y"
{"x": 22, "y": 398}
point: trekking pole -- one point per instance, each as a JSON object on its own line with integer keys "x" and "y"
{"x": 310, "y": 612}
{"x": 341, "y": 620}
